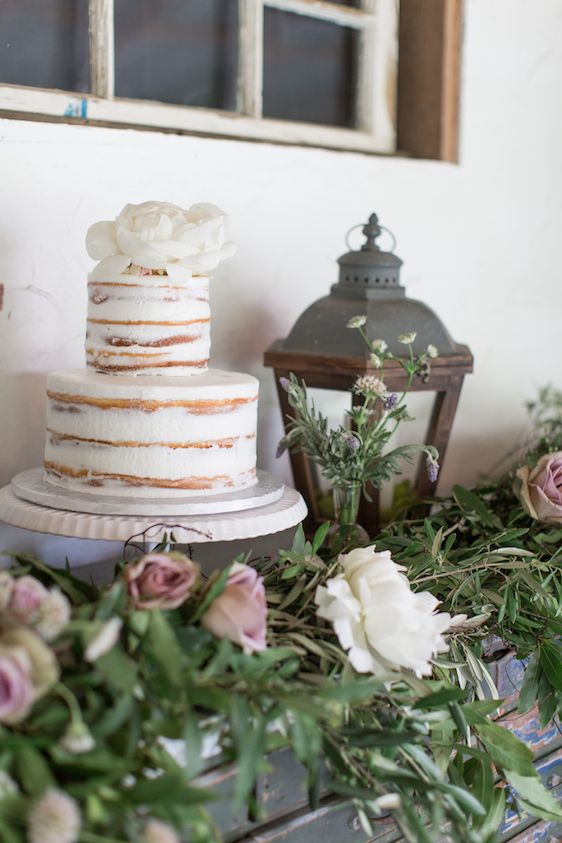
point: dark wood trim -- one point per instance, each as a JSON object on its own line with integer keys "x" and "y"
{"x": 429, "y": 74}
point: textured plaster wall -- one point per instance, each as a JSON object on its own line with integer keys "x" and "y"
{"x": 480, "y": 241}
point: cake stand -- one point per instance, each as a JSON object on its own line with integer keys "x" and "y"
{"x": 269, "y": 507}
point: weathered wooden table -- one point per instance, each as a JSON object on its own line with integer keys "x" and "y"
{"x": 281, "y": 797}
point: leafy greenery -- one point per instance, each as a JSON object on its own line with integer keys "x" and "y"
{"x": 429, "y": 750}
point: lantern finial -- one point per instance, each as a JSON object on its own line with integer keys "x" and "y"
{"x": 371, "y": 230}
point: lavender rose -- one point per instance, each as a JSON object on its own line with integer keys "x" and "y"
{"x": 161, "y": 580}
{"x": 541, "y": 488}
{"x": 240, "y": 612}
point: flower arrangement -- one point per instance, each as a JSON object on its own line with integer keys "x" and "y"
{"x": 352, "y": 456}
{"x": 371, "y": 665}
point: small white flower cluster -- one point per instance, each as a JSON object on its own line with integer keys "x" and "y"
{"x": 407, "y": 339}
{"x": 357, "y": 321}
{"x": 370, "y": 385}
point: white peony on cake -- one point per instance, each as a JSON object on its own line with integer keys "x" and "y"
{"x": 148, "y": 417}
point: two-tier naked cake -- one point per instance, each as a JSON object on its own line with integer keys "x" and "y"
{"x": 147, "y": 416}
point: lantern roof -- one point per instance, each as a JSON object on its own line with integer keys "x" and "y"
{"x": 368, "y": 285}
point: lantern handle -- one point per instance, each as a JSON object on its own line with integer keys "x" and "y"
{"x": 362, "y": 225}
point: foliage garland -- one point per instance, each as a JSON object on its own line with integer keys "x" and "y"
{"x": 427, "y": 749}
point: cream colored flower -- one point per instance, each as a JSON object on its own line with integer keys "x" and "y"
{"x": 380, "y": 345}
{"x": 432, "y": 351}
{"x": 160, "y": 236}
{"x": 157, "y": 831}
{"x": 103, "y": 641}
{"x": 375, "y": 361}
{"x": 54, "y": 818}
{"x": 53, "y": 615}
{"x": 407, "y": 339}
{"x": 378, "y": 619}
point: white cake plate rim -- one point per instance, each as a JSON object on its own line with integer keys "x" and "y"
{"x": 275, "y": 517}
{"x": 31, "y": 485}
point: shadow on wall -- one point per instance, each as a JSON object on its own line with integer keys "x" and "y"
{"x": 22, "y": 399}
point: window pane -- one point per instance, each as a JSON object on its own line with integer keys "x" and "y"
{"x": 177, "y": 51}
{"x": 44, "y": 43}
{"x": 308, "y": 69}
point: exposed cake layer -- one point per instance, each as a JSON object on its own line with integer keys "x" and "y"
{"x": 146, "y": 325}
{"x": 151, "y": 435}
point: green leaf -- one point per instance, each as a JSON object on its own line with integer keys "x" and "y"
{"x": 438, "y": 698}
{"x": 319, "y": 536}
{"x": 464, "y": 799}
{"x": 33, "y": 770}
{"x": 163, "y": 648}
{"x": 118, "y": 669}
{"x": 550, "y": 656}
{"x": 470, "y": 502}
{"x": 506, "y": 750}
{"x": 539, "y": 801}
{"x": 530, "y": 686}
{"x": 193, "y": 739}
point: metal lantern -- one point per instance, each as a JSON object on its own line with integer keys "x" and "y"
{"x": 325, "y": 353}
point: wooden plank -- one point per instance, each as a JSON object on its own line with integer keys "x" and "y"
{"x": 250, "y": 63}
{"x": 429, "y": 70}
{"x": 102, "y": 48}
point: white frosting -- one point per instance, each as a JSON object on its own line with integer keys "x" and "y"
{"x": 197, "y": 431}
{"x": 148, "y": 328}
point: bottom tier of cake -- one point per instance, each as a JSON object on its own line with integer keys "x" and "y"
{"x": 151, "y": 435}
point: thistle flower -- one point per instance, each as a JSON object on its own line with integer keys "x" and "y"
{"x": 407, "y": 339}
{"x": 77, "y": 739}
{"x": 432, "y": 350}
{"x": 375, "y": 361}
{"x": 285, "y": 384}
{"x": 157, "y": 831}
{"x": 390, "y": 401}
{"x": 379, "y": 345}
{"x": 104, "y": 640}
{"x": 357, "y": 321}
{"x": 370, "y": 385}
{"x": 432, "y": 467}
{"x": 54, "y": 818}
{"x": 52, "y": 615}
{"x": 352, "y": 441}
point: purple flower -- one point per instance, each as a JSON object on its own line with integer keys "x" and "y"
{"x": 285, "y": 384}
{"x": 353, "y": 442}
{"x": 432, "y": 470}
{"x": 390, "y": 401}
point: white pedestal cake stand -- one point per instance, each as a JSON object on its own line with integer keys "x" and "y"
{"x": 268, "y": 507}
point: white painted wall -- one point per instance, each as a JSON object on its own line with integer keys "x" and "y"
{"x": 480, "y": 241}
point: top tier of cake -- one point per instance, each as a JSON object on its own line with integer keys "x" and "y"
{"x": 148, "y": 297}
{"x": 147, "y": 325}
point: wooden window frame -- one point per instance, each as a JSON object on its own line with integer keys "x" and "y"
{"x": 417, "y": 116}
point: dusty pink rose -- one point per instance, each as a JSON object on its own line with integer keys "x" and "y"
{"x": 28, "y": 669}
{"x": 240, "y": 612}
{"x": 541, "y": 488}
{"x": 27, "y": 596}
{"x": 16, "y": 687}
{"x": 161, "y": 580}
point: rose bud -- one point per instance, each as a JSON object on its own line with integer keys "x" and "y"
{"x": 160, "y": 580}
{"x": 240, "y": 612}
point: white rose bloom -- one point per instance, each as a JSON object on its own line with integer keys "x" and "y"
{"x": 378, "y": 619}
{"x": 54, "y": 818}
{"x": 53, "y": 615}
{"x": 159, "y": 235}
{"x": 157, "y": 831}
